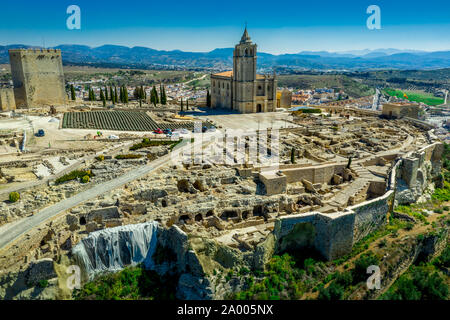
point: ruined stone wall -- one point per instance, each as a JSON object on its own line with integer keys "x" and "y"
{"x": 38, "y": 77}
{"x": 333, "y": 233}
{"x": 314, "y": 174}
{"x": 370, "y": 215}
{"x": 416, "y": 171}
{"x": 7, "y": 101}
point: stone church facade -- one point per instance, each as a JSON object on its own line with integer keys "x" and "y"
{"x": 242, "y": 89}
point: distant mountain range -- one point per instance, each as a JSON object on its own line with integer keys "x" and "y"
{"x": 110, "y": 55}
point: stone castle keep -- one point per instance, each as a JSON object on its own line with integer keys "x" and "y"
{"x": 38, "y": 77}
{"x": 242, "y": 89}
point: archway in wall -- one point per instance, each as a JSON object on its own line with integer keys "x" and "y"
{"x": 259, "y": 108}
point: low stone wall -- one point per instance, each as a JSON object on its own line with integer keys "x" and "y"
{"x": 315, "y": 174}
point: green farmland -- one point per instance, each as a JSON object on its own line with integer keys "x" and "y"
{"x": 424, "y": 97}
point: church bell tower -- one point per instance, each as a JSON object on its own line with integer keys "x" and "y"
{"x": 244, "y": 74}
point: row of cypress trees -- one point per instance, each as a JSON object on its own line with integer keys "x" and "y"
{"x": 139, "y": 94}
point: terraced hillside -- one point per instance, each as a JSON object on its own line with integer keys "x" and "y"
{"x": 119, "y": 120}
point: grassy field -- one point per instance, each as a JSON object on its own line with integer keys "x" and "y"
{"x": 416, "y": 96}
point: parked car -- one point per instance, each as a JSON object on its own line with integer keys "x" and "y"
{"x": 182, "y": 131}
{"x": 168, "y": 131}
{"x": 40, "y": 133}
{"x": 158, "y": 131}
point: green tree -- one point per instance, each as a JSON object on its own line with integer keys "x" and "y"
{"x": 349, "y": 163}
{"x": 103, "y": 98}
{"x": 72, "y": 93}
{"x": 102, "y": 95}
{"x": 163, "y": 95}
{"x": 333, "y": 292}
{"x": 293, "y": 155}
{"x": 111, "y": 95}
{"x": 106, "y": 93}
{"x": 181, "y": 104}
{"x": 14, "y": 197}
{"x": 116, "y": 98}
{"x": 125, "y": 94}
{"x": 208, "y": 99}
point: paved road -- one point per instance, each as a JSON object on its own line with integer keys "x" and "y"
{"x": 11, "y": 232}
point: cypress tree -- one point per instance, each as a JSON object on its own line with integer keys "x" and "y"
{"x": 293, "y": 155}
{"x": 111, "y": 94}
{"x": 116, "y": 98}
{"x": 349, "y": 163}
{"x": 103, "y": 98}
{"x": 125, "y": 94}
{"x": 106, "y": 93}
{"x": 181, "y": 104}
{"x": 72, "y": 92}
{"x": 208, "y": 99}
{"x": 163, "y": 96}
{"x": 187, "y": 104}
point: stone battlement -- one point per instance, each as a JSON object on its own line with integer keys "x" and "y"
{"x": 36, "y": 51}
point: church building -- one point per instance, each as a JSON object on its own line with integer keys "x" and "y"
{"x": 242, "y": 89}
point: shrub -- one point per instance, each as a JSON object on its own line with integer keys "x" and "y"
{"x": 128, "y": 156}
{"x": 446, "y": 208}
{"x": 43, "y": 283}
{"x": 383, "y": 243}
{"x": 100, "y": 158}
{"x": 443, "y": 261}
{"x": 85, "y": 179}
{"x": 438, "y": 210}
{"x": 333, "y": 292}
{"x": 361, "y": 265}
{"x": 77, "y": 174}
{"x": 132, "y": 283}
{"x": 14, "y": 197}
{"x": 345, "y": 278}
{"x": 151, "y": 143}
{"x": 409, "y": 226}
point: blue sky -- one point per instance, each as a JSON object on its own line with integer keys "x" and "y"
{"x": 276, "y": 26}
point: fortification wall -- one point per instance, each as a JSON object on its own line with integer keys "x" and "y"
{"x": 38, "y": 77}
{"x": 7, "y": 101}
{"x": 336, "y": 233}
{"x": 332, "y": 234}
